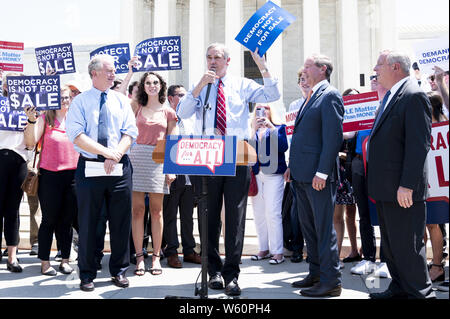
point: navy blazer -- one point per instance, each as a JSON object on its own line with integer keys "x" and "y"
{"x": 317, "y": 136}
{"x": 273, "y": 139}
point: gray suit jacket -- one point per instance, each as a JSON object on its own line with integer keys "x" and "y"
{"x": 317, "y": 136}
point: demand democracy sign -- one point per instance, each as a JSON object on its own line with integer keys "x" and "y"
{"x": 56, "y": 57}
{"x": 200, "y": 155}
{"x": 11, "y": 56}
{"x": 432, "y": 52}
{"x": 360, "y": 111}
{"x": 437, "y": 163}
{"x": 120, "y": 53}
{"x": 263, "y": 28}
{"x": 157, "y": 54}
{"x": 11, "y": 120}
{"x": 40, "y": 91}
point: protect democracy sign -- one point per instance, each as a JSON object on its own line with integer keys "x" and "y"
{"x": 432, "y": 52}
{"x": 200, "y": 155}
{"x": 360, "y": 111}
{"x": 40, "y": 91}
{"x": 11, "y": 120}
{"x": 264, "y": 26}
{"x": 120, "y": 52}
{"x": 56, "y": 57}
{"x": 159, "y": 54}
{"x": 11, "y": 56}
{"x": 437, "y": 163}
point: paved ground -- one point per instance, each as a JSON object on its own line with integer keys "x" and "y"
{"x": 258, "y": 280}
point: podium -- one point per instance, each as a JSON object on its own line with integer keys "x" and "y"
{"x": 245, "y": 156}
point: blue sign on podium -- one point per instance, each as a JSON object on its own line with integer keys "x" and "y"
{"x": 200, "y": 155}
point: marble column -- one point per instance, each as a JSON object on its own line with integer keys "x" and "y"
{"x": 233, "y": 24}
{"x": 198, "y": 37}
{"x": 311, "y": 27}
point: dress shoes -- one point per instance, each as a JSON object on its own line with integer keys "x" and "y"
{"x": 309, "y": 281}
{"x": 297, "y": 257}
{"x": 173, "y": 261}
{"x": 120, "y": 281}
{"x": 14, "y": 266}
{"x": 215, "y": 282}
{"x": 320, "y": 290}
{"x": 387, "y": 294}
{"x": 352, "y": 259}
{"x": 86, "y": 285}
{"x": 193, "y": 258}
{"x": 232, "y": 288}
{"x": 49, "y": 272}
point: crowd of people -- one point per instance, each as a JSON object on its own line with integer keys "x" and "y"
{"x": 95, "y": 166}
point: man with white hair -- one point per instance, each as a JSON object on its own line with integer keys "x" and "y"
{"x": 102, "y": 126}
{"x": 397, "y": 179}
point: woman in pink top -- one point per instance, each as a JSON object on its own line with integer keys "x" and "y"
{"x": 58, "y": 162}
{"x": 154, "y": 121}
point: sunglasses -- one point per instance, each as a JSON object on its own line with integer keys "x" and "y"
{"x": 431, "y": 78}
{"x": 373, "y": 77}
{"x": 180, "y": 95}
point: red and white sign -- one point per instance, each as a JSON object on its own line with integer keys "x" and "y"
{"x": 437, "y": 162}
{"x": 360, "y": 111}
{"x": 290, "y": 123}
{"x": 11, "y": 56}
{"x": 201, "y": 152}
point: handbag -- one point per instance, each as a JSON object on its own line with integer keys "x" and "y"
{"x": 253, "y": 189}
{"x": 31, "y": 183}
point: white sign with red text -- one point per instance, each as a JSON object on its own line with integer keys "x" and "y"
{"x": 200, "y": 152}
{"x": 360, "y": 111}
{"x": 437, "y": 163}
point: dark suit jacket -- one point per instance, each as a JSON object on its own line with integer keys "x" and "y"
{"x": 317, "y": 136}
{"x": 399, "y": 144}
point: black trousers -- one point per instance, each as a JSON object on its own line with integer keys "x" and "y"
{"x": 316, "y": 209}
{"x": 58, "y": 201}
{"x": 13, "y": 170}
{"x": 181, "y": 197}
{"x": 235, "y": 191}
{"x": 92, "y": 194}
{"x": 402, "y": 231}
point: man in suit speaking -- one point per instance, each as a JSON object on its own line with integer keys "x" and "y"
{"x": 316, "y": 141}
{"x": 397, "y": 179}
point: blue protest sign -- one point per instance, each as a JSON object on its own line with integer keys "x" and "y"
{"x": 263, "y": 28}
{"x": 40, "y": 91}
{"x": 120, "y": 52}
{"x": 158, "y": 54}
{"x": 200, "y": 155}
{"x": 56, "y": 57}
{"x": 11, "y": 120}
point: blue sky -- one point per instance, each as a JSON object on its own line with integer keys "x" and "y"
{"x": 44, "y": 22}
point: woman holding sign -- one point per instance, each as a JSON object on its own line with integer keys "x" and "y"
{"x": 269, "y": 171}
{"x": 57, "y": 167}
{"x": 154, "y": 121}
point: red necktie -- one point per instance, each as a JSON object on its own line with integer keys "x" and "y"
{"x": 221, "y": 110}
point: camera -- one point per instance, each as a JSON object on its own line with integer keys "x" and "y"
{"x": 260, "y": 112}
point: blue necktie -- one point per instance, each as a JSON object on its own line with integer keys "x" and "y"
{"x": 382, "y": 107}
{"x": 102, "y": 137}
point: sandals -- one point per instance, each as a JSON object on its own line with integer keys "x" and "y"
{"x": 139, "y": 271}
{"x": 441, "y": 277}
{"x": 156, "y": 271}
{"x": 257, "y": 258}
{"x": 274, "y": 261}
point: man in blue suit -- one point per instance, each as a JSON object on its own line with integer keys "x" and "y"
{"x": 315, "y": 145}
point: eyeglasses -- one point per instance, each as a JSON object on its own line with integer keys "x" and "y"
{"x": 150, "y": 82}
{"x": 63, "y": 98}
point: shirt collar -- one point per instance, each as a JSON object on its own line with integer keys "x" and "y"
{"x": 397, "y": 85}
{"x": 97, "y": 92}
{"x": 224, "y": 79}
{"x": 318, "y": 85}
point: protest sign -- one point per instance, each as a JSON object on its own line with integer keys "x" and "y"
{"x": 360, "y": 111}
{"x": 437, "y": 163}
{"x": 40, "y": 91}
{"x": 430, "y": 53}
{"x": 200, "y": 155}
{"x": 120, "y": 53}
{"x": 11, "y": 56}
{"x": 264, "y": 26}
{"x": 56, "y": 57}
{"x": 290, "y": 123}
{"x": 11, "y": 120}
{"x": 158, "y": 54}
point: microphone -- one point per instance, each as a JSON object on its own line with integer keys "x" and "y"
{"x": 209, "y": 87}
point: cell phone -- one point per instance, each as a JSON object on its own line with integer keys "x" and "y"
{"x": 260, "y": 113}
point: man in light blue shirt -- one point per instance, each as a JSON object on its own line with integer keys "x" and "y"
{"x": 228, "y": 115}
{"x": 102, "y": 126}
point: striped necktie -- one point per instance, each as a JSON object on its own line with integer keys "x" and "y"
{"x": 221, "y": 123}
